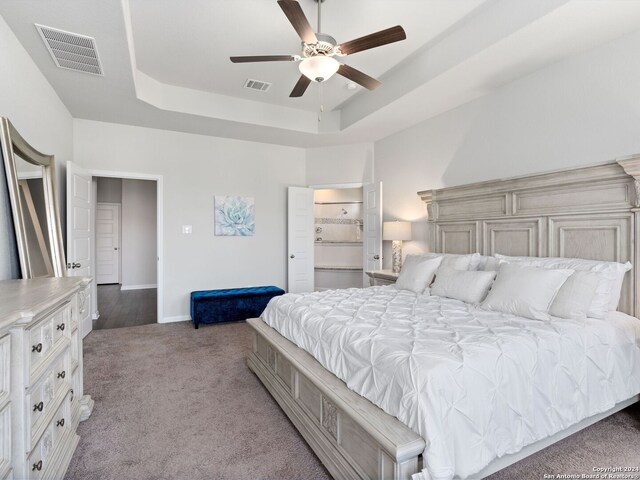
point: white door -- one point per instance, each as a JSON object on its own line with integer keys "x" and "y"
{"x": 107, "y": 243}
{"x": 300, "y": 240}
{"x": 80, "y": 232}
{"x": 372, "y": 236}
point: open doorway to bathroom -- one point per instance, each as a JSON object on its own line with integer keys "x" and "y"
{"x": 338, "y": 238}
{"x": 126, "y": 256}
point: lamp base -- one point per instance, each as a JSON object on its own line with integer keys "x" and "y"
{"x": 396, "y": 245}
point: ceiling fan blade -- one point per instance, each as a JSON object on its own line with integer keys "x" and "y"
{"x": 357, "y": 76}
{"x": 301, "y": 86}
{"x": 264, "y": 58}
{"x": 296, "y": 16}
{"x": 383, "y": 37}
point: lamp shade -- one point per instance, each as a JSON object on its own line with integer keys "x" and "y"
{"x": 319, "y": 68}
{"x": 396, "y": 230}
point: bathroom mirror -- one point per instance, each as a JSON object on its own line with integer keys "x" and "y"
{"x": 31, "y": 184}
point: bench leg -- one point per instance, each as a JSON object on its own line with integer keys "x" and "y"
{"x": 195, "y": 324}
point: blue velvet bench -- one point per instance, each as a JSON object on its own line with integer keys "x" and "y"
{"x": 215, "y": 306}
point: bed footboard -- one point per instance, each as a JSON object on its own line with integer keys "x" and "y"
{"x": 353, "y": 438}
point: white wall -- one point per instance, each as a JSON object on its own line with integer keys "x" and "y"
{"x": 194, "y": 169}
{"x": 139, "y": 228}
{"x": 33, "y": 107}
{"x": 583, "y": 110}
{"x": 109, "y": 190}
{"x": 340, "y": 164}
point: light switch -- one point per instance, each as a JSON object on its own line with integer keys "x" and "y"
{"x": 187, "y": 229}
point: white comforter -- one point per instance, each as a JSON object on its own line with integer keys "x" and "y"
{"x": 474, "y": 384}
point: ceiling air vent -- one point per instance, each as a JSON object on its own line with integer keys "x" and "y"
{"x": 257, "y": 85}
{"x": 71, "y": 51}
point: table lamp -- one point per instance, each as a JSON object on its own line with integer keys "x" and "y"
{"x": 396, "y": 232}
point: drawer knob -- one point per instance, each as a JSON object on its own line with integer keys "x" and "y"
{"x": 37, "y": 466}
{"x": 37, "y": 348}
{"x": 71, "y": 400}
{"x": 60, "y": 327}
{"x": 60, "y": 423}
{"x": 62, "y": 374}
{"x": 38, "y": 407}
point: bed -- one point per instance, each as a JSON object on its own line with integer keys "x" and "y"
{"x": 325, "y": 357}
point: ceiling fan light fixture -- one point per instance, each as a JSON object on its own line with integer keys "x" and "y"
{"x": 319, "y": 68}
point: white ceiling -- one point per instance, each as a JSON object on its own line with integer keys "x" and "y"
{"x": 166, "y": 61}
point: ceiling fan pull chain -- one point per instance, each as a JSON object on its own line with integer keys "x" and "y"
{"x": 321, "y": 105}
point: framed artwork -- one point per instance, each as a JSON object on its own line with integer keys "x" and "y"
{"x": 234, "y": 216}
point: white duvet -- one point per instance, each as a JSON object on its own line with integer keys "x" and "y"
{"x": 476, "y": 385}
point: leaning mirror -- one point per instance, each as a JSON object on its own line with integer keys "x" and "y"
{"x": 31, "y": 185}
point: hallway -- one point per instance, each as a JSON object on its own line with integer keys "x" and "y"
{"x": 125, "y": 308}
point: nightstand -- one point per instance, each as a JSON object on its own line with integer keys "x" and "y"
{"x": 382, "y": 277}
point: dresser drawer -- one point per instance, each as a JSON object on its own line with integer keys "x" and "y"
{"x": 9, "y": 475}
{"x": 5, "y": 372}
{"x": 46, "y": 335}
{"x": 40, "y": 461}
{"x": 45, "y": 396}
{"x": 5, "y": 437}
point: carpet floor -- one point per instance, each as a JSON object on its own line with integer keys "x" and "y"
{"x": 172, "y": 402}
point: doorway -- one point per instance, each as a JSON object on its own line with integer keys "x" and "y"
{"x": 334, "y": 235}
{"x": 126, "y": 256}
{"x": 120, "y": 244}
{"x": 338, "y": 228}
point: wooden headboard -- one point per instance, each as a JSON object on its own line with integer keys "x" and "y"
{"x": 590, "y": 212}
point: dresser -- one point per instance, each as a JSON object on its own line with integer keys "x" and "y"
{"x": 41, "y": 377}
{"x": 382, "y": 277}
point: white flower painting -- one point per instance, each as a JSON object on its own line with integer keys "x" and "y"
{"x": 234, "y": 216}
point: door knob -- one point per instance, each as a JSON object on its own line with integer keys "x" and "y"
{"x": 376, "y": 257}
{"x": 73, "y": 265}
{"x": 292, "y": 256}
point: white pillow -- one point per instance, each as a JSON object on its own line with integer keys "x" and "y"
{"x": 575, "y": 296}
{"x": 459, "y": 262}
{"x": 611, "y": 276}
{"x": 525, "y": 291}
{"x": 417, "y": 273}
{"x": 488, "y": 264}
{"x": 468, "y": 286}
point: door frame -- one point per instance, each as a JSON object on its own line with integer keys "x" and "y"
{"x": 159, "y": 225}
{"x": 340, "y": 186}
{"x": 119, "y": 207}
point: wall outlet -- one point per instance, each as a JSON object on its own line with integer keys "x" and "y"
{"x": 187, "y": 229}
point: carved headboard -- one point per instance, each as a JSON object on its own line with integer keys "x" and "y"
{"x": 590, "y": 212}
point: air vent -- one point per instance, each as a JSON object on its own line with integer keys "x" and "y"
{"x": 257, "y": 85}
{"x": 71, "y": 51}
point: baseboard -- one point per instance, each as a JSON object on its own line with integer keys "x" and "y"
{"x": 177, "y": 318}
{"x": 137, "y": 287}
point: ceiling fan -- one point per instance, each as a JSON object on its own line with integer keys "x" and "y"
{"x": 317, "y": 62}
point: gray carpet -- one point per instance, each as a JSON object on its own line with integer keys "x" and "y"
{"x": 177, "y": 403}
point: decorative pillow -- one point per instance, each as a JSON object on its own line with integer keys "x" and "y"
{"x": 459, "y": 262}
{"x": 525, "y": 291}
{"x": 611, "y": 276}
{"x": 417, "y": 273}
{"x": 468, "y": 286}
{"x": 575, "y": 296}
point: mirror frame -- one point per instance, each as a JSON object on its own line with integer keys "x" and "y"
{"x": 13, "y": 143}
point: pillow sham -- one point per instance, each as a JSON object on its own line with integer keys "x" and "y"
{"x": 470, "y": 286}
{"x": 459, "y": 262}
{"x": 575, "y": 296}
{"x": 526, "y": 291}
{"x": 610, "y": 278}
{"x": 417, "y": 273}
